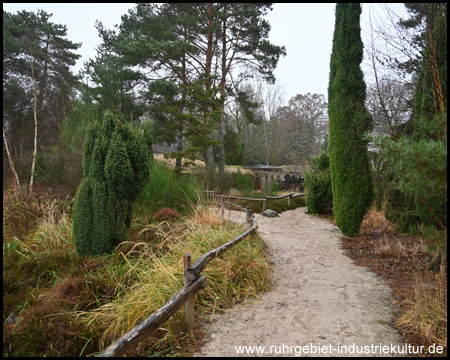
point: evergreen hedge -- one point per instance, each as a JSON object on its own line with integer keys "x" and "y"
{"x": 319, "y": 195}
{"x": 115, "y": 170}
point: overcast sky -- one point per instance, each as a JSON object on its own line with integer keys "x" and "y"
{"x": 305, "y": 29}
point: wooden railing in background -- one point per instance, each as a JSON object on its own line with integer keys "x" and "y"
{"x": 264, "y": 199}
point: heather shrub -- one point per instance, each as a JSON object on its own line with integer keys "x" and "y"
{"x": 166, "y": 214}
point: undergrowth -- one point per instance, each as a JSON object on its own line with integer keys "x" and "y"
{"x": 56, "y": 303}
{"x": 404, "y": 261}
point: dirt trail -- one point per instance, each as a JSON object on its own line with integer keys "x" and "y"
{"x": 318, "y": 297}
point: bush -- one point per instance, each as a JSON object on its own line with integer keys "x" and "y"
{"x": 417, "y": 164}
{"x": 245, "y": 183}
{"x": 319, "y": 195}
{"x": 115, "y": 171}
{"x": 166, "y": 214}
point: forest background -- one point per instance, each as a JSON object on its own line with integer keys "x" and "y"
{"x": 201, "y": 79}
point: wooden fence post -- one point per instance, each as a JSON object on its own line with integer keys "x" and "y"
{"x": 249, "y": 218}
{"x": 289, "y": 200}
{"x": 189, "y": 303}
{"x": 222, "y": 206}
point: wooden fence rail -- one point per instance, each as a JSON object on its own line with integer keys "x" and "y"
{"x": 193, "y": 283}
{"x": 232, "y": 205}
{"x": 132, "y": 338}
{"x": 194, "y": 271}
{"x": 264, "y": 199}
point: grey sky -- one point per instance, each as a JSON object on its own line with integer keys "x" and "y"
{"x": 307, "y": 32}
{"x": 305, "y": 29}
{"x": 80, "y": 20}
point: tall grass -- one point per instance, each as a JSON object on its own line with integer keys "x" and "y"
{"x": 426, "y": 314}
{"x": 41, "y": 281}
{"x": 20, "y": 214}
{"x": 157, "y": 267}
{"x": 56, "y": 303}
{"x": 245, "y": 184}
{"x": 166, "y": 189}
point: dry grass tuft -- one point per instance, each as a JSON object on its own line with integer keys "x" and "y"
{"x": 20, "y": 214}
{"x": 206, "y": 211}
{"x": 426, "y": 313}
{"x": 375, "y": 222}
{"x": 208, "y": 218}
{"x": 392, "y": 245}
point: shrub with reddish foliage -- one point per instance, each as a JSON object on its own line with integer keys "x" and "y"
{"x": 166, "y": 214}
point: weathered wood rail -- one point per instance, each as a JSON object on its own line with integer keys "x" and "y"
{"x": 131, "y": 339}
{"x": 194, "y": 271}
{"x": 193, "y": 283}
{"x": 264, "y": 199}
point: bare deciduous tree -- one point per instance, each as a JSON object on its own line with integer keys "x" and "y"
{"x": 305, "y": 123}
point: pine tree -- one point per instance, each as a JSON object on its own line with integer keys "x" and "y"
{"x": 417, "y": 157}
{"x": 37, "y": 82}
{"x": 198, "y": 44}
{"x": 348, "y": 121}
{"x": 115, "y": 170}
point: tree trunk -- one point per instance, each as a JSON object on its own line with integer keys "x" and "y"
{"x": 222, "y": 92}
{"x": 209, "y": 156}
{"x": 33, "y": 165}
{"x": 209, "y": 159}
{"x": 17, "y": 187}
{"x": 439, "y": 102}
{"x": 179, "y": 162}
{"x": 221, "y": 144}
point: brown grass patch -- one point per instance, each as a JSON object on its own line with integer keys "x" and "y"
{"x": 375, "y": 222}
{"x": 426, "y": 312}
{"x": 403, "y": 260}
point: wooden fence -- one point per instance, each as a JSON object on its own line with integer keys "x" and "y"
{"x": 263, "y": 200}
{"x": 193, "y": 283}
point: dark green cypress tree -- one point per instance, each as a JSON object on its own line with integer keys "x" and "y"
{"x": 348, "y": 121}
{"x": 115, "y": 167}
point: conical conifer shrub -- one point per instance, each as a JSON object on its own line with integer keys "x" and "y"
{"x": 115, "y": 170}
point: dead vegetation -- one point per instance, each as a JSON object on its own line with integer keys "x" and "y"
{"x": 403, "y": 261}
{"x": 57, "y": 303}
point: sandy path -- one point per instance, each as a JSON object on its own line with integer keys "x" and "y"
{"x": 318, "y": 297}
